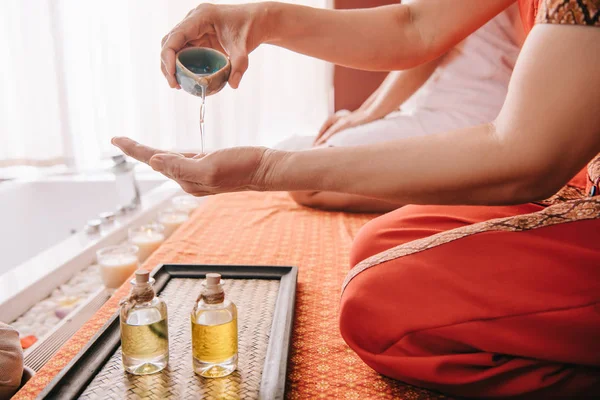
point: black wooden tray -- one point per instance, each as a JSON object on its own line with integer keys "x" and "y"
{"x": 73, "y": 380}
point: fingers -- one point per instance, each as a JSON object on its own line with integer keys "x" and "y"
{"x": 167, "y": 58}
{"x": 335, "y": 128}
{"x": 163, "y": 69}
{"x": 194, "y": 27}
{"x": 170, "y": 166}
{"x": 337, "y": 122}
{"x": 172, "y": 43}
{"x": 141, "y": 152}
{"x": 330, "y": 121}
{"x": 175, "y": 166}
{"x": 239, "y": 65}
{"x": 199, "y": 27}
{"x": 322, "y": 139}
{"x": 134, "y": 149}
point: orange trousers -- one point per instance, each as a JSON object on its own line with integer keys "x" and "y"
{"x": 494, "y": 314}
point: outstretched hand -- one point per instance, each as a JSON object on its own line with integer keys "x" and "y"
{"x": 229, "y": 170}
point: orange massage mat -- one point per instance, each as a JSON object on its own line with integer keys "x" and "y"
{"x": 270, "y": 229}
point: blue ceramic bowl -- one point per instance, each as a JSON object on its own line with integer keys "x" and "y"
{"x": 196, "y": 67}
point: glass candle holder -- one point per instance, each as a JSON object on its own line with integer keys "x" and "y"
{"x": 147, "y": 238}
{"x": 172, "y": 219}
{"x": 117, "y": 263}
{"x": 185, "y": 203}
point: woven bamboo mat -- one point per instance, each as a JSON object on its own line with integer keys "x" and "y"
{"x": 255, "y": 300}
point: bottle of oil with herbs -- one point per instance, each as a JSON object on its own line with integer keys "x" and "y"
{"x": 144, "y": 329}
{"x": 214, "y": 331}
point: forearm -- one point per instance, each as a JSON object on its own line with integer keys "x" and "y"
{"x": 353, "y": 38}
{"x": 469, "y": 166}
{"x": 383, "y": 38}
{"x": 538, "y": 142}
{"x": 372, "y": 98}
{"x": 398, "y": 87}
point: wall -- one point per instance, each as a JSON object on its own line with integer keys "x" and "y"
{"x": 351, "y": 86}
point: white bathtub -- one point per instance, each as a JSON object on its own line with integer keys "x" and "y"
{"x": 42, "y": 244}
{"x": 37, "y": 215}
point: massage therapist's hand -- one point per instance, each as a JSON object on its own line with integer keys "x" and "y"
{"x": 341, "y": 120}
{"x": 233, "y": 29}
{"x": 229, "y": 170}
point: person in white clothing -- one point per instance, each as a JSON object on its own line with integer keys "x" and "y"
{"x": 462, "y": 88}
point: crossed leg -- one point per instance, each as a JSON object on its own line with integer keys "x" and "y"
{"x": 493, "y": 314}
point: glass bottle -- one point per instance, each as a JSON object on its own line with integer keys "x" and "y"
{"x": 144, "y": 329}
{"x": 214, "y": 331}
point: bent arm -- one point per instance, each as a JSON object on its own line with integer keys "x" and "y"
{"x": 383, "y": 38}
{"x": 397, "y": 87}
{"x": 546, "y": 132}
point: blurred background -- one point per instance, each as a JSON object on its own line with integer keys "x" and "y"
{"x": 76, "y": 73}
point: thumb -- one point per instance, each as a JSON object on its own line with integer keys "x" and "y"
{"x": 239, "y": 65}
{"x": 174, "y": 166}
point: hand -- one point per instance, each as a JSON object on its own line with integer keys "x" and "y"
{"x": 341, "y": 120}
{"x": 232, "y": 29}
{"x": 228, "y": 170}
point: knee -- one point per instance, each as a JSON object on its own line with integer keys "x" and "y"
{"x": 369, "y": 240}
{"x": 377, "y": 316}
{"x": 354, "y": 306}
{"x": 366, "y": 317}
{"x": 11, "y": 360}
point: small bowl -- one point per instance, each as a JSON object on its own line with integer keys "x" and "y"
{"x": 201, "y": 66}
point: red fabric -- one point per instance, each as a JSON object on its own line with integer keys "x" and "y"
{"x": 528, "y": 10}
{"x": 492, "y": 314}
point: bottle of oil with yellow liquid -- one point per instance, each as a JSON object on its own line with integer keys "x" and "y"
{"x": 144, "y": 328}
{"x": 214, "y": 331}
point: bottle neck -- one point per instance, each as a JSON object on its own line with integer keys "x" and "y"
{"x": 212, "y": 294}
{"x": 142, "y": 293}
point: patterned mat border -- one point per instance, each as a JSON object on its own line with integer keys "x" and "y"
{"x": 75, "y": 377}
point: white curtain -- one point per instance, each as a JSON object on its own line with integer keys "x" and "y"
{"x": 77, "y": 72}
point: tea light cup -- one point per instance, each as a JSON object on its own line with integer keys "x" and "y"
{"x": 147, "y": 238}
{"x": 117, "y": 263}
{"x": 201, "y": 68}
{"x": 185, "y": 203}
{"x": 172, "y": 219}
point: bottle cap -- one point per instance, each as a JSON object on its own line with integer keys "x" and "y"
{"x": 213, "y": 279}
{"x": 142, "y": 276}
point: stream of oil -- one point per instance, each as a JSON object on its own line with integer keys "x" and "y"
{"x": 201, "y": 70}
{"x": 202, "y": 110}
